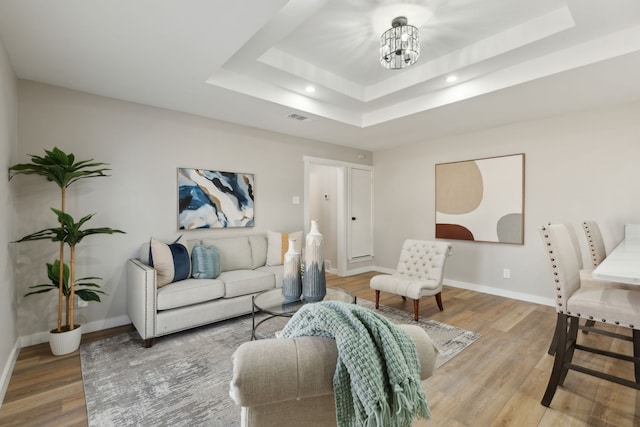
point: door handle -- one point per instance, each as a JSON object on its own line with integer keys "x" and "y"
{"x": 353, "y": 218}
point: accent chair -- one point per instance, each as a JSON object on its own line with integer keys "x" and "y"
{"x": 419, "y": 273}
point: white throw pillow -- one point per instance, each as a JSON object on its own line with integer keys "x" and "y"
{"x": 171, "y": 261}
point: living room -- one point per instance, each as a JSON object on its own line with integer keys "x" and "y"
{"x": 580, "y": 164}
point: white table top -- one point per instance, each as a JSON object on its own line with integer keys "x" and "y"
{"x": 622, "y": 264}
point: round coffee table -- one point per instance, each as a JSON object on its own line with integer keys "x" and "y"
{"x": 272, "y": 303}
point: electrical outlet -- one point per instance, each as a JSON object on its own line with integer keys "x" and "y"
{"x": 506, "y": 273}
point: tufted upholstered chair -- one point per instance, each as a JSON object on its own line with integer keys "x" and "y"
{"x": 574, "y": 302}
{"x": 419, "y": 273}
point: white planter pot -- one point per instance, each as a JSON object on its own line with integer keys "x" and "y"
{"x": 65, "y": 342}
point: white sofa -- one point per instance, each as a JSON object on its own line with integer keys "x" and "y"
{"x": 193, "y": 302}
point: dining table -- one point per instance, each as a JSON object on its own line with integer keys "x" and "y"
{"x": 622, "y": 265}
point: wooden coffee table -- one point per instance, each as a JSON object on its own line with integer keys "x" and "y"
{"x": 272, "y": 303}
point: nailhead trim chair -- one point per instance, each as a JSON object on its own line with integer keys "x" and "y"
{"x": 419, "y": 273}
{"x": 597, "y": 249}
{"x": 602, "y": 304}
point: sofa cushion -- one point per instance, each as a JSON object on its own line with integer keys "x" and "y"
{"x": 235, "y": 253}
{"x": 278, "y": 244}
{"x": 189, "y": 291}
{"x": 171, "y": 261}
{"x": 258, "y": 250}
{"x": 244, "y": 282}
{"x": 205, "y": 262}
{"x": 276, "y": 270}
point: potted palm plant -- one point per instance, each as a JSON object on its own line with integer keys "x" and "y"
{"x": 62, "y": 168}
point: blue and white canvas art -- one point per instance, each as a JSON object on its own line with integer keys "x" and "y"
{"x": 213, "y": 199}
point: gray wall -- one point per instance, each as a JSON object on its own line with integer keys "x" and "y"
{"x": 577, "y": 167}
{"x": 8, "y": 147}
{"x": 144, "y": 147}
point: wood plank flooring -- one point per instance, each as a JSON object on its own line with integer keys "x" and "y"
{"x": 498, "y": 381}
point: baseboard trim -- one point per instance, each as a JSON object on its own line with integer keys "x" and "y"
{"x": 501, "y": 292}
{"x": 521, "y": 296}
{"x": 8, "y": 370}
{"x": 97, "y": 325}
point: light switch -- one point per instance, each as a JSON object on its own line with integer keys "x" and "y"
{"x": 296, "y": 200}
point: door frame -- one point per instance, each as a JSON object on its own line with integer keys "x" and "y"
{"x": 342, "y": 203}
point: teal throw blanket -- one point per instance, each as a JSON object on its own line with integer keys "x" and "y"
{"x": 377, "y": 377}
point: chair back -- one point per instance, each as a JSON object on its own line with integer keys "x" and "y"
{"x": 423, "y": 259}
{"x": 564, "y": 264}
{"x": 595, "y": 241}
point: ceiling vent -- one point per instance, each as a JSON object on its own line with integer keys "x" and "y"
{"x": 298, "y": 117}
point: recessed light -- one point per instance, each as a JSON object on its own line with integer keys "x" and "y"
{"x": 452, "y": 79}
{"x": 310, "y": 89}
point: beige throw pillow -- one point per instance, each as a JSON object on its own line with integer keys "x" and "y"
{"x": 278, "y": 244}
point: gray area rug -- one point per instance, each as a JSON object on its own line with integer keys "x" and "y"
{"x": 183, "y": 380}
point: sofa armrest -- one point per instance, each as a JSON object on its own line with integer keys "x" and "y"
{"x": 142, "y": 297}
{"x": 278, "y": 370}
{"x": 281, "y": 369}
{"x": 427, "y": 350}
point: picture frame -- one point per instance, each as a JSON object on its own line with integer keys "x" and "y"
{"x": 481, "y": 200}
{"x": 214, "y": 199}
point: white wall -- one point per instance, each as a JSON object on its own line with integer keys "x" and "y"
{"x": 144, "y": 147}
{"x": 8, "y": 149}
{"x": 577, "y": 167}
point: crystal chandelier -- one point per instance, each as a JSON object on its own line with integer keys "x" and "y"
{"x": 399, "y": 45}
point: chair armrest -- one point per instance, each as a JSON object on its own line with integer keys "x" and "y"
{"x": 281, "y": 369}
{"x": 278, "y": 370}
{"x": 427, "y": 350}
{"x": 142, "y": 297}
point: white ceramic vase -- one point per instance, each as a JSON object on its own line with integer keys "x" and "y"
{"x": 65, "y": 342}
{"x": 291, "y": 281}
{"x": 314, "y": 283}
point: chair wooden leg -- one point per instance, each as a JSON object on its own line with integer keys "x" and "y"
{"x": 636, "y": 353}
{"x": 572, "y": 339}
{"x": 588, "y": 324}
{"x": 377, "y": 299}
{"x": 554, "y": 379}
{"x": 439, "y": 301}
{"x": 552, "y": 346}
{"x": 416, "y": 304}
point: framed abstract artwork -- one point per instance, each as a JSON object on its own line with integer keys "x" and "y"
{"x": 481, "y": 200}
{"x": 213, "y": 199}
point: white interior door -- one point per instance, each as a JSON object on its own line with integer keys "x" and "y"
{"x": 361, "y": 224}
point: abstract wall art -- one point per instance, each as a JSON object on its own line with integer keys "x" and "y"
{"x": 481, "y": 200}
{"x": 213, "y": 199}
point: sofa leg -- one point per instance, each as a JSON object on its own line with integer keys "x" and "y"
{"x": 377, "y": 299}
{"x": 416, "y": 304}
{"x": 148, "y": 343}
{"x": 439, "y": 301}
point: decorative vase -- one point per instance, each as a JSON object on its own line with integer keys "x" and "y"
{"x": 314, "y": 283}
{"x": 291, "y": 281}
{"x": 65, "y": 342}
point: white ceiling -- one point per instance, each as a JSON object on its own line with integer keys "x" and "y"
{"x": 249, "y": 61}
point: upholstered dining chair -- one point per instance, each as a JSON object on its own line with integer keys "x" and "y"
{"x": 419, "y": 273}
{"x": 574, "y": 302}
{"x": 597, "y": 250}
{"x": 586, "y": 279}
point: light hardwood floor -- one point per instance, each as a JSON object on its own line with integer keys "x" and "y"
{"x": 497, "y": 381}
